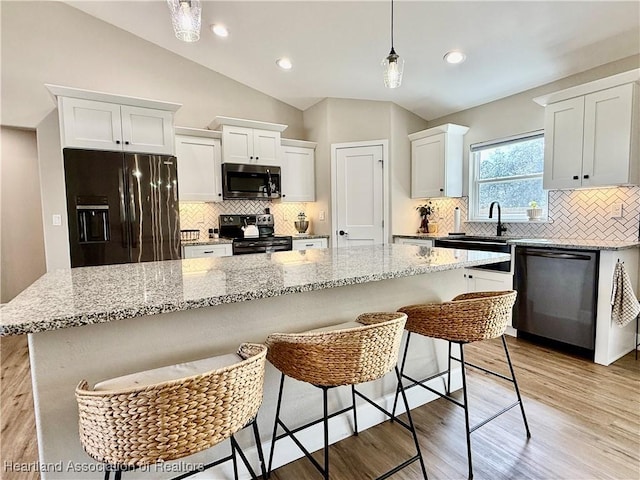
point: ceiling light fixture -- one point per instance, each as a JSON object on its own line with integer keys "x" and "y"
{"x": 454, "y": 57}
{"x": 284, "y": 63}
{"x": 185, "y": 17}
{"x": 392, "y": 65}
{"x": 220, "y": 30}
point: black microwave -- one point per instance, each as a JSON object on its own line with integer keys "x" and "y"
{"x": 257, "y": 182}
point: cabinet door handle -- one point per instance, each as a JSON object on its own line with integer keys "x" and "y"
{"x": 442, "y": 189}
{"x": 208, "y": 251}
{"x": 585, "y": 176}
{"x": 126, "y": 142}
{"x": 283, "y": 195}
{"x": 117, "y": 142}
{"x": 251, "y": 157}
{"x": 308, "y": 244}
{"x": 470, "y": 276}
{"x": 257, "y": 158}
{"x": 576, "y": 177}
{"x": 219, "y": 194}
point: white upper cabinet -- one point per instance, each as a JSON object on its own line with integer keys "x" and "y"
{"x": 436, "y": 161}
{"x": 591, "y": 140}
{"x": 248, "y": 145}
{"x": 298, "y": 171}
{"x": 147, "y": 130}
{"x": 102, "y": 121}
{"x": 199, "y": 170}
{"x": 249, "y": 141}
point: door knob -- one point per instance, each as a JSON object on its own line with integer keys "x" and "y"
{"x": 342, "y": 232}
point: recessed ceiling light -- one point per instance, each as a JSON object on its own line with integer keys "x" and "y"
{"x": 284, "y": 63}
{"x": 454, "y": 56}
{"x": 220, "y": 30}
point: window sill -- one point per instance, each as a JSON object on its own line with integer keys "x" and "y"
{"x": 511, "y": 220}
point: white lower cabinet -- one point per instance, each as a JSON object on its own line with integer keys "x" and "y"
{"x": 487, "y": 280}
{"x": 306, "y": 244}
{"x": 414, "y": 241}
{"x": 201, "y": 251}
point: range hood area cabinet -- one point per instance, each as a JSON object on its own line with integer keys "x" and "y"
{"x": 102, "y": 121}
{"x": 249, "y": 141}
{"x": 436, "y": 161}
{"x": 591, "y": 134}
{"x": 298, "y": 171}
{"x": 199, "y": 168}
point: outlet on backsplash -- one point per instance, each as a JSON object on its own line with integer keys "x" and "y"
{"x": 616, "y": 210}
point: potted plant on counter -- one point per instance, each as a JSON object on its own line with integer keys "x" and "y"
{"x": 534, "y": 212}
{"x": 425, "y": 212}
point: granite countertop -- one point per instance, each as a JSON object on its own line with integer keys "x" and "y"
{"x": 207, "y": 241}
{"x": 88, "y": 295}
{"x": 575, "y": 243}
{"x": 307, "y": 236}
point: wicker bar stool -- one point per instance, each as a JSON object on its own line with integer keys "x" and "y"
{"x": 469, "y": 317}
{"x": 171, "y": 412}
{"x": 347, "y": 354}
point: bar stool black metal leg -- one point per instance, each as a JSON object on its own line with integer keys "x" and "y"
{"x": 449, "y": 371}
{"x": 404, "y": 360}
{"x": 256, "y": 435}
{"x": 107, "y": 472}
{"x": 275, "y": 425}
{"x": 466, "y": 410}
{"x": 326, "y": 432}
{"x": 118, "y": 475}
{"x": 411, "y": 425}
{"x": 515, "y": 384}
{"x": 234, "y": 458}
{"x": 355, "y": 413}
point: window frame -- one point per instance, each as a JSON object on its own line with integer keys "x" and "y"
{"x": 474, "y": 182}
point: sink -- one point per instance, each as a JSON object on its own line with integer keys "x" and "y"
{"x": 471, "y": 238}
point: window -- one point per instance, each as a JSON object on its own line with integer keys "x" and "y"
{"x": 508, "y": 171}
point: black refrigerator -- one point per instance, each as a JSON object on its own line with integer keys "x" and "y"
{"x": 121, "y": 207}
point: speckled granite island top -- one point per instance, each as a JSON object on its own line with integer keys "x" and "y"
{"x": 82, "y": 296}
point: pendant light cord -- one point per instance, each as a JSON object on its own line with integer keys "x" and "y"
{"x": 391, "y": 24}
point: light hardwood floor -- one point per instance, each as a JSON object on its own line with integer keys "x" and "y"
{"x": 584, "y": 420}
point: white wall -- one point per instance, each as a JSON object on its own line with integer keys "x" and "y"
{"x": 50, "y": 42}
{"x": 21, "y": 242}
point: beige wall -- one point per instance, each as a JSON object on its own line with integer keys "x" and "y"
{"x": 519, "y": 113}
{"x": 68, "y": 47}
{"x": 21, "y": 240}
{"x": 337, "y": 120}
{"x": 404, "y": 217}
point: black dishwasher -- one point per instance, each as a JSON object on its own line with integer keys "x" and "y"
{"x": 557, "y": 295}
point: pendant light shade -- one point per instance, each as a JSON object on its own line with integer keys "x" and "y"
{"x": 186, "y": 19}
{"x": 392, "y": 65}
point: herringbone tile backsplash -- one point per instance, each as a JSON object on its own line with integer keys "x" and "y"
{"x": 582, "y": 214}
{"x": 203, "y": 216}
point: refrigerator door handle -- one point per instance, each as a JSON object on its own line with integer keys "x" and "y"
{"x": 124, "y": 221}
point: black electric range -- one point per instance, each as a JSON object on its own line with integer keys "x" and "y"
{"x": 234, "y": 226}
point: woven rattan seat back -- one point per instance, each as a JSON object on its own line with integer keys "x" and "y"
{"x": 170, "y": 420}
{"x": 467, "y": 318}
{"x": 340, "y": 357}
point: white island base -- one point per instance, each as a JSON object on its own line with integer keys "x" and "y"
{"x": 61, "y": 358}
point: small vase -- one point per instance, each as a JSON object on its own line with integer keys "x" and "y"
{"x": 424, "y": 225}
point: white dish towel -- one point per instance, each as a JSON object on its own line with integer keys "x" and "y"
{"x": 625, "y": 305}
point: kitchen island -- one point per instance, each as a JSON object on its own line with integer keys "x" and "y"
{"x": 95, "y": 323}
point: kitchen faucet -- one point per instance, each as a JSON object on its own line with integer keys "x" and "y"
{"x": 500, "y": 227}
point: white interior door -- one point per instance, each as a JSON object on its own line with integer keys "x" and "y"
{"x": 359, "y": 195}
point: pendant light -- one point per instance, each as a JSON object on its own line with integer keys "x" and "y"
{"x": 392, "y": 65}
{"x": 185, "y": 17}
